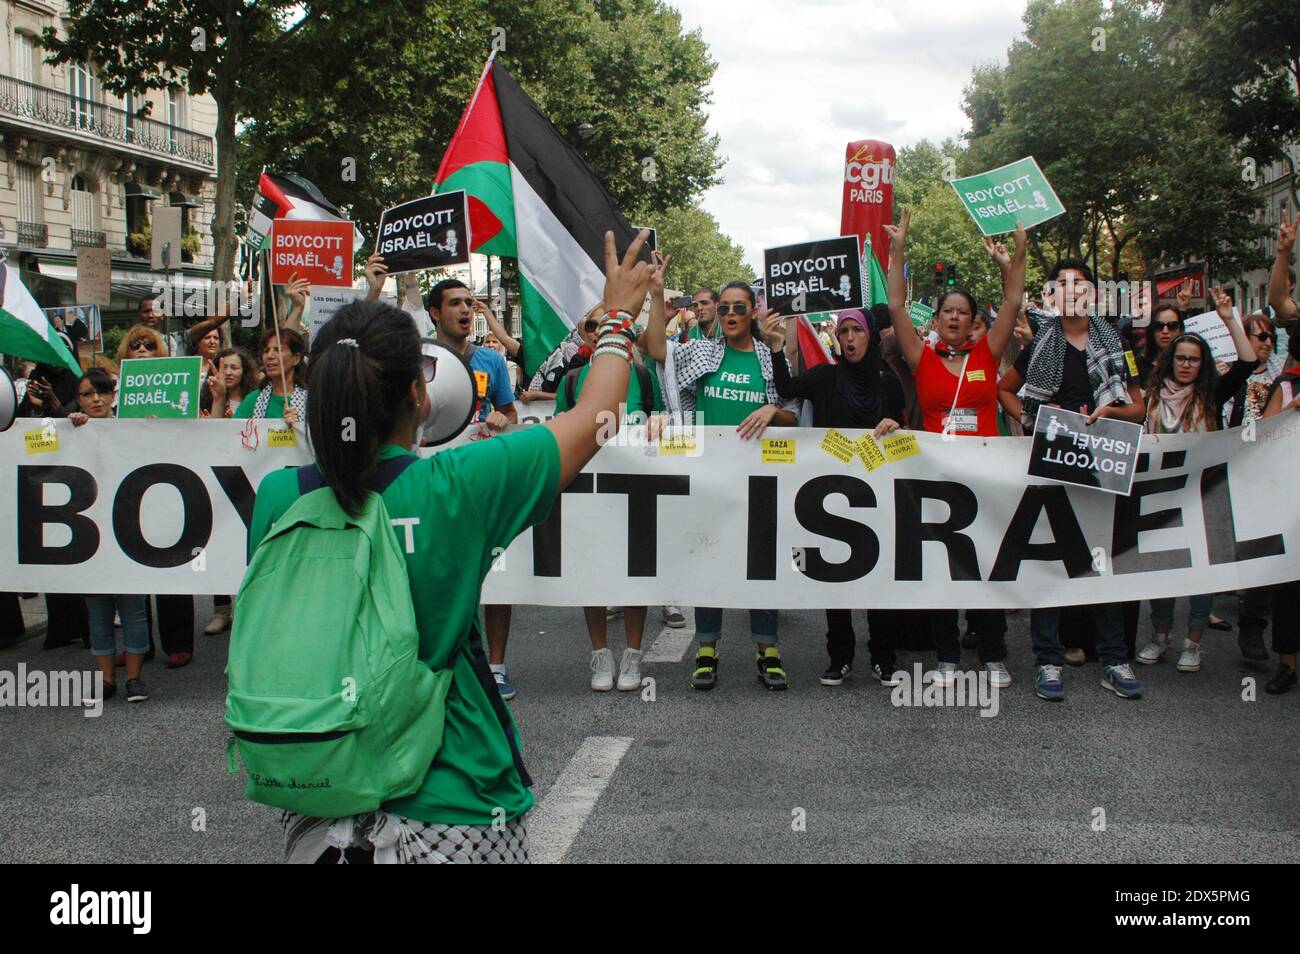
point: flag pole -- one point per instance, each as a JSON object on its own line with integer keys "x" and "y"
{"x": 464, "y": 117}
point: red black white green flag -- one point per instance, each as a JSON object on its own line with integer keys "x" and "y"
{"x": 531, "y": 197}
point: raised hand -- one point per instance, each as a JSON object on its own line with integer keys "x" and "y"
{"x": 298, "y": 289}
{"x": 626, "y": 282}
{"x": 898, "y": 234}
{"x": 658, "y": 271}
{"x": 1184, "y": 297}
{"x": 1286, "y": 233}
{"x": 1222, "y": 303}
{"x": 376, "y": 273}
{"x": 998, "y": 252}
{"x": 772, "y": 324}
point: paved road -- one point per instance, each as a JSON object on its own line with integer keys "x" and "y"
{"x": 1192, "y": 773}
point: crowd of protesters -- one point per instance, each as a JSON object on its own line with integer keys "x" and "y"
{"x": 970, "y": 373}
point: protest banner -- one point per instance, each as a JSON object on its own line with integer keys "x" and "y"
{"x": 1102, "y": 455}
{"x": 1018, "y": 190}
{"x": 94, "y": 275}
{"x": 1216, "y": 334}
{"x": 955, "y": 524}
{"x": 165, "y": 239}
{"x": 318, "y": 251}
{"x": 424, "y": 233}
{"x": 920, "y": 313}
{"x": 868, "y": 203}
{"x": 159, "y": 387}
{"x": 813, "y": 276}
{"x": 326, "y": 301}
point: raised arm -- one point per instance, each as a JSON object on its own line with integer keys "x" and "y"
{"x": 298, "y": 290}
{"x": 508, "y": 341}
{"x": 788, "y": 386}
{"x": 654, "y": 340}
{"x": 908, "y": 343}
{"x": 1223, "y": 306}
{"x": 1278, "y": 298}
{"x": 596, "y": 411}
{"x": 1012, "y": 268}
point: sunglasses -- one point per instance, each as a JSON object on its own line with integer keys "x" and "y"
{"x": 428, "y": 366}
{"x": 591, "y": 326}
{"x": 740, "y": 308}
{"x": 1261, "y": 336}
{"x": 1166, "y": 325}
{"x": 142, "y": 344}
{"x": 1187, "y": 358}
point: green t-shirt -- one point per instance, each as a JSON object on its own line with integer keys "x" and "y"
{"x": 274, "y": 407}
{"x": 633, "y": 401}
{"x": 465, "y": 503}
{"x": 693, "y": 333}
{"x": 733, "y": 392}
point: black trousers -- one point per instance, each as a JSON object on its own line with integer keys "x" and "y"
{"x": 175, "y": 624}
{"x": 1286, "y": 618}
{"x": 68, "y": 621}
{"x": 989, "y": 627}
{"x": 11, "y": 619}
{"x": 885, "y": 634}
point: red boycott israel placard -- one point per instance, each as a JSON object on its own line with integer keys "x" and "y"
{"x": 320, "y": 252}
{"x": 869, "y": 194}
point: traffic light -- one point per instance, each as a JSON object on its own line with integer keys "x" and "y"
{"x": 940, "y": 269}
{"x": 950, "y": 276}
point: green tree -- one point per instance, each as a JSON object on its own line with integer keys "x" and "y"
{"x": 702, "y": 255}
{"x": 619, "y": 79}
{"x": 941, "y": 231}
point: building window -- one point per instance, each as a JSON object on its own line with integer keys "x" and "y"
{"x": 129, "y": 107}
{"x": 30, "y": 205}
{"x": 24, "y": 57}
{"x": 83, "y": 205}
{"x": 81, "y": 91}
{"x": 173, "y": 118}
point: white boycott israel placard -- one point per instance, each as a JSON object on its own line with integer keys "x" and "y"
{"x": 1216, "y": 334}
{"x": 424, "y": 233}
{"x": 1102, "y": 455}
{"x": 813, "y": 276}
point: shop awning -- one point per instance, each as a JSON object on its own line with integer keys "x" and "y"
{"x": 136, "y": 190}
{"x": 180, "y": 200}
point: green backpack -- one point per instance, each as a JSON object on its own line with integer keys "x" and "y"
{"x": 332, "y": 711}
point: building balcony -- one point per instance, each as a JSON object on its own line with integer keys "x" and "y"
{"x": 40, "y": 104}
{"x": 88, "y": 237}
{"x": 33, "y": 235}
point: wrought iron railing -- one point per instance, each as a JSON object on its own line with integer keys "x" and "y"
{"x": 88, "y": 237}
{"x": 33, "y": 235}
{"x": 52, "y": 106}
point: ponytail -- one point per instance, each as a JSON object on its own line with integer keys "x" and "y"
{"x": 363, "y": 361}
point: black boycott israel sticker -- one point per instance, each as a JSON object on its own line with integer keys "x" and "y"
{"x": 424, "y": 233}
{"x": 1068, "y": 449}
{"x": 825, "y": 275}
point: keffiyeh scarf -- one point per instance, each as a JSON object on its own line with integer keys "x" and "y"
{"x": 1106, "y": 364}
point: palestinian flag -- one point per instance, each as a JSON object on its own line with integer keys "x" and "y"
{"x": 25, "y": 331}
{"x": 531, "y": 197}
{"x": 294, "y": 198}
{"x": 875, "y": 288}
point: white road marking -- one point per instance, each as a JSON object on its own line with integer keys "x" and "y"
{"x": 556, "y": 821}
{"x": 670, "y": 645}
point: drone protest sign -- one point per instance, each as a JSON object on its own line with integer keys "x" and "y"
{"x": 813, "y": 276}
{"x": 425, "y": 233}
{"x": 319, "y": 251}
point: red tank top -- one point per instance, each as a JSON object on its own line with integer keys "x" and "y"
{"x": 973, "y": 398}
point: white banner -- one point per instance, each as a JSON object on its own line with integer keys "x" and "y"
{"x": 798, "y": 521}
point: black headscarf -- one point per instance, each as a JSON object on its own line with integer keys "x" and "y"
{"x": 858, "y": 384}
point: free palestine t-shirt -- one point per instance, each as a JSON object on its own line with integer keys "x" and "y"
{"x": 463, "y": 504}
{"x": 733, "y": 392}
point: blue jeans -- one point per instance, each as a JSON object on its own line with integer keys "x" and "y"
{"x": 1045, "y": 631}
{"x": 135, "y": 631}
{"x": 1198, "y": 615}
{"x": 708, "y": 625}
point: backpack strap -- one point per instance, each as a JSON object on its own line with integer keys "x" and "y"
{"x": 571, "y": 388}
{"x": 310, "y": 478}
{"x": 479, "y": 660}
{"x": 647, "y": 388}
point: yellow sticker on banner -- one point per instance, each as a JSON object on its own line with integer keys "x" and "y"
{"x": 778, "y": 450}
{"x": 1132, "y": 364}
{"x": 481, "y": 383}
{"x": 42, "y": 442}
{"x": 677, "y": 444}
{"x": 281, "y": 437}
{"x": 869, "y": 452}
{"x": 900, "y": 445}
{"x": 837, "y": 445}
{"x": 976, "y": 375}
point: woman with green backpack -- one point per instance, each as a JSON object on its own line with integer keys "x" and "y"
{"x": 307, "y": 752}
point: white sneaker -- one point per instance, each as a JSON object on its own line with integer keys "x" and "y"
{"x": 1154, "y": 651}
{"x": 602, "y": 670}
{"x": 998, "y": 675}
{"x": 629, "y": 671}
{"x": 944, "y": 675}
{"x": 613, "y": 612}
{"x": 674, "y": 618}
{"x": 1190, "y": 659}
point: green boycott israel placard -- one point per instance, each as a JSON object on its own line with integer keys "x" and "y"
{"x": 159, "y": 387}
{"x": 921, "y": 313}
{"x": 1018, "y": 190}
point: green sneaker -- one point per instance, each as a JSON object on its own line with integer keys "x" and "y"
{"x": 705, "y": 675}
{"x": 770, "y": 672}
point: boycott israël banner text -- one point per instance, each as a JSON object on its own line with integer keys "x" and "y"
{"x": 804, "y": 518}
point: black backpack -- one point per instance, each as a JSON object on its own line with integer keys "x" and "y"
{"x": 642, "y": 376}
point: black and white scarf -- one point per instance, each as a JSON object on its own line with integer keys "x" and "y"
{"x": 297, "y": 401}
{"x": 1105, "y": 359}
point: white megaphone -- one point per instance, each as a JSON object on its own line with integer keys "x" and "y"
{"x": 8, "y": 400}
{"x": 451, "y": 393}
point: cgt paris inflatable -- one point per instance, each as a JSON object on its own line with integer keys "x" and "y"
{"x": 451, "y": 393}
{"x": 8, "y": 400}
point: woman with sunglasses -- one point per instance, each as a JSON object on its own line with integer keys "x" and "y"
{"x": 1166, "y": 325}
{"x": 729, "y": 381}
{"x": 284, "y": 381}
{"x": 95, "y": 394}
{"x": 1185, "y": 395}
{"x": 141, "y": 341}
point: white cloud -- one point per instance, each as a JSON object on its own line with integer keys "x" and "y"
{"x": 797, "y": 81}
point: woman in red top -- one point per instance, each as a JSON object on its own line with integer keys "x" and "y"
{"x": 957, "y": 393}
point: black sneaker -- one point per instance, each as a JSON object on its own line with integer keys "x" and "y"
{"x": 136, "y": 691}
{"x": 705, "y": 676}
{"x": 110, "y": 690}
{"x": 770, "y": 673}
{"x": 835, "y": 674}
{"x": 1251, "y": 644}
{"x": 1284, "y": 681}
{"x": 890, "y": 679}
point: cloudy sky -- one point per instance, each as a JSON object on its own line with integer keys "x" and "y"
{"x": 798, "y": 79}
